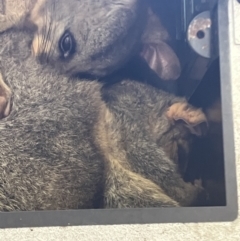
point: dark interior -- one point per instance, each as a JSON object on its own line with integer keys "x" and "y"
{"x": 207, "y": 158}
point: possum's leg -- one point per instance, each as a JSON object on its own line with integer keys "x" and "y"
{"x": 125, "y": 189}
{"x": 151, "y": 163}
{"x": 149, "y": 160}
{"x": 5, "y": 96}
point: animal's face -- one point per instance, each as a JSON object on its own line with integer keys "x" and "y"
{"x": 87, "y": 36}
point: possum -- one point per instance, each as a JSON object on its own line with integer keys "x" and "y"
{"x": 70, "y": 143}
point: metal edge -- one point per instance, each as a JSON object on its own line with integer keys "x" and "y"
{"x": 227, "y": 111}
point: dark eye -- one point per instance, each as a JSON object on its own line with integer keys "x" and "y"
{"x": 67, "y": 44}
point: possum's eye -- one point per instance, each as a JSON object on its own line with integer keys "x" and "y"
{"x": 67, "y": 44}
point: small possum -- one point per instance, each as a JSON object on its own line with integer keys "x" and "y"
{"x": 80, "y": 145}
{"x": 97, "y": 40}
{"x": 93, "y": 42}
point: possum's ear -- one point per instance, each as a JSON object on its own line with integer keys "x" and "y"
{"x": 193, "y": 118}
{"x": 158, "y": 54}
{"x": 161, "y": 58}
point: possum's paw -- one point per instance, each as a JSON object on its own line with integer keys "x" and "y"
{"x": 5, "y": 98}
{"x": 193, "y": 118}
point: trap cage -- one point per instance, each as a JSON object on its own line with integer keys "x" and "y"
{"x": 206, "y": 37}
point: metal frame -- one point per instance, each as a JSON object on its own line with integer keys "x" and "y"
{"x": 157, "y": 215}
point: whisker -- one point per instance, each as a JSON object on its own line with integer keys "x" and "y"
{"x": 48, "y": 37}
{"x": 53, "y": 29}
{"x": 45, "y": 24}
{"x": 44, "y": 31}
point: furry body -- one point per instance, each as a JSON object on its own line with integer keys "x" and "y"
{"x": 63, "y": 147}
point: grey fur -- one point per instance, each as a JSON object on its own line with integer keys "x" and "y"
{"x": 106, "y": 32}
{"x": 61, "y": 147}
{"x": 46, "y": 142}
{"x": 107, "y": 35}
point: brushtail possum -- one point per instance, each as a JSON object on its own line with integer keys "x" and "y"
{"x": 93, "y": 37}
{"x": 96, "y": 41}
{"x": 71, "y": 144}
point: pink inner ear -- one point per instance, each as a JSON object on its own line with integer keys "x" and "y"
{"x": 162, "y": 59}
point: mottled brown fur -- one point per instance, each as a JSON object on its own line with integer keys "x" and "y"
{"x": 141, "y": 149}
{"x": 71, "y": 144}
